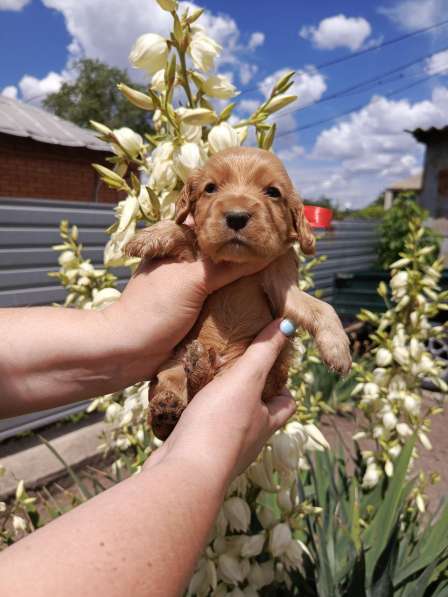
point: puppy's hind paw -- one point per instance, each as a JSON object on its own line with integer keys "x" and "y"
{"x": 165, "y": 409}
{"x": 335, "y": 352}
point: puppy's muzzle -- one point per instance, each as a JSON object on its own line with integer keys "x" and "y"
{"x": 236, "y": 220}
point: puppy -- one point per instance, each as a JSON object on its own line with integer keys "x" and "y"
{"x": 245, "y": 209}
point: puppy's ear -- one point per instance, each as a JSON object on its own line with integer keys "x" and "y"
{"x": 185, "y": 201}
{"x": 305, "y": 235}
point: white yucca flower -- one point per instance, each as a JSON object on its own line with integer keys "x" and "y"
{"x": 19, "y": 524}
{"x": 219, "y": 86}
{"x": 383, "y": 357}
{"x": 187, "y": 158}
{"x": 279, "y": 539}
{"x": 203, "y": 50}
{"x": 222, "y": 137}
{"x": 230, "y": 569}
{"x": 371, "y": 476}
{"x": 237, "y": 512}
{"x": 150, "y": 52}
{"x": 127, "y": 142}
{"x": 253, "y": 545}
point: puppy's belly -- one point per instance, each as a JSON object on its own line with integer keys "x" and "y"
{"x": 231, "y": 318}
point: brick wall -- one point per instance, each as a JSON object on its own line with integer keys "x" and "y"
{"x": 29, "y": 168}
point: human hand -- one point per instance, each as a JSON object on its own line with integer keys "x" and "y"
{"x": 225, "y": 426}
{"x": 162, "y": 301}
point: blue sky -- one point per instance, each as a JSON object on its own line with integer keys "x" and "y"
{"x": 351, "y": 158}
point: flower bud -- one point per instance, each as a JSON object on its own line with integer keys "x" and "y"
{"x": 203, "y": 50}
{"x": 229, "y": 569}
{"x": 168, "y": 5}
{"x": 18, "y": 523}
{"x": 261, "y": 575}
{"x": 411, "y": 404}
{"x": 186, "y": 158}
{"x": 389, "y": 420}
{"x": 266, "y": 517}
{"x": 137, "y": 98}
{"x": 237, "y": 512}
{"x": 158, "y": 81}
{"x": 284, "y": 500}
{"x": 285, "y": 451}
{"x": 315, "y": 439}
{"x": 150, "y": 52}
{"x": 383, "y": 357}
{"x": 105, "y": 297}
{"x": 219, "y": 86}
{"x": 404, "y": 430}
{"x": 279, "y": 539}
{"x": 279, "y": 102}
{"x": 66, "y": 258}
{"x": 371, "y": 476}
{"x": 197, "y": 116}
{"x": 129, "y": 142}
{"x": 253, "y": 546}
{"x": 399, "y": 280}
{"x": 395, "y": 451}
{"x": 221, "y": 137}
{"x": 401, "y": 355}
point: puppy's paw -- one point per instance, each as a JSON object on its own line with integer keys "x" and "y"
{"x": 165, "y": 409}
{"x": 334, "y": 348}
{"x": 199, "y": 365}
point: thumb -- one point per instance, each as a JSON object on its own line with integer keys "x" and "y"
{"x": 261, "y": 355}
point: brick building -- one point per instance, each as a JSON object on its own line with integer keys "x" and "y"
{"x": 45, "y": 157}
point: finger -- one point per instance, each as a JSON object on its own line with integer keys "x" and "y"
{"x": 259, "y": 358}
{"x": 280, "y": 408}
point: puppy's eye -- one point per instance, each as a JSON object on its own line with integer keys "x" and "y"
{"x": 272, "y": 192}
{"x": 210, "y": 187}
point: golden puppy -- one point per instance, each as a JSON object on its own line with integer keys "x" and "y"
{"x": 245, "y": 209}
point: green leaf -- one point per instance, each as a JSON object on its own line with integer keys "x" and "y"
{"x": 432, "y": 543}
{"x": 378, "y": 534}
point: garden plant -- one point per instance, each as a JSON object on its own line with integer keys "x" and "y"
{"x": 300, "y": 520}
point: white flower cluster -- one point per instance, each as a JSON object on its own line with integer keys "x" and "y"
{"x": 184, "y": 135}
{"x": 391, "y": 395}
{"x": 254, "y": 542}
{"x": 88, "y": 287}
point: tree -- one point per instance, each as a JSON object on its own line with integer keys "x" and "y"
{"x": 94, "y": 96}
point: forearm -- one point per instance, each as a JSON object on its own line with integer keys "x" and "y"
{"x": 140, "y": 538}
{"x": 51, "y": 356}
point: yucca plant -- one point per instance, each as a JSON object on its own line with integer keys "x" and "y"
{"x": 369, "y": 543}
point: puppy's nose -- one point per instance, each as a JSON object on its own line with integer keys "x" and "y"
{"x": 237, "y": 219}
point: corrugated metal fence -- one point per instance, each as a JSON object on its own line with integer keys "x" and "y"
{"x": 28, "y": 228}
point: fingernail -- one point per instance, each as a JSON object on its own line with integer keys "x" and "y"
{"x": 287, "y": 327}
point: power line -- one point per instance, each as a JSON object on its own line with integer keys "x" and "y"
{"x": 358, "y": 87}
{"x": 359, "y": 106}
{"x": 380, "y": 46}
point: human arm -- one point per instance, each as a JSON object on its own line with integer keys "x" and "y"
{"x": 143, "y": 536}
{"x": 51, "y": 356}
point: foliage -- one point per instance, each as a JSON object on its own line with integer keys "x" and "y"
{"x": 391, "y": 393}
{"x": 368, "y": 544}
{"x": 94, "y": 95}
{"x": 395, "y": 227}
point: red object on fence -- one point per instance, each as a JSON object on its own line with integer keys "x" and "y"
{"x": 318, "y": 217}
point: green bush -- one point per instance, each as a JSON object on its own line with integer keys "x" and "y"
{"x": 395, "y": 227}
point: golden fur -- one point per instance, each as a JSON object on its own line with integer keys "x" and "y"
{"x": 238, "y": 217}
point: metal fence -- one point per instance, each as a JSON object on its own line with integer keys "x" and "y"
{"x": 29, "y": 227}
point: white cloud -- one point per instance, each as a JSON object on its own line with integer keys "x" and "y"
{"x": 256, "y": 39}
{"x": 338, "y": 32}
{"x": 13, "y": 4}
{"x": 290, "y": 153}
{"x": 357, "y": 158}
{"x": 248, "y": 105}
{"x": 437, "y": 63}
{"x": 309, "y": 85}
{"x": 10, "y": 91}
{"x": 34, "y": 90}
{"x": 415, "y": 14}
{"x": 247, "y": 72}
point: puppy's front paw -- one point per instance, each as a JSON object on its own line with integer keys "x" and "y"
{"x": 334, "y": 348}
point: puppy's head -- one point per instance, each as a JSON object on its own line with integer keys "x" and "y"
{"x": 244, "y": 207}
